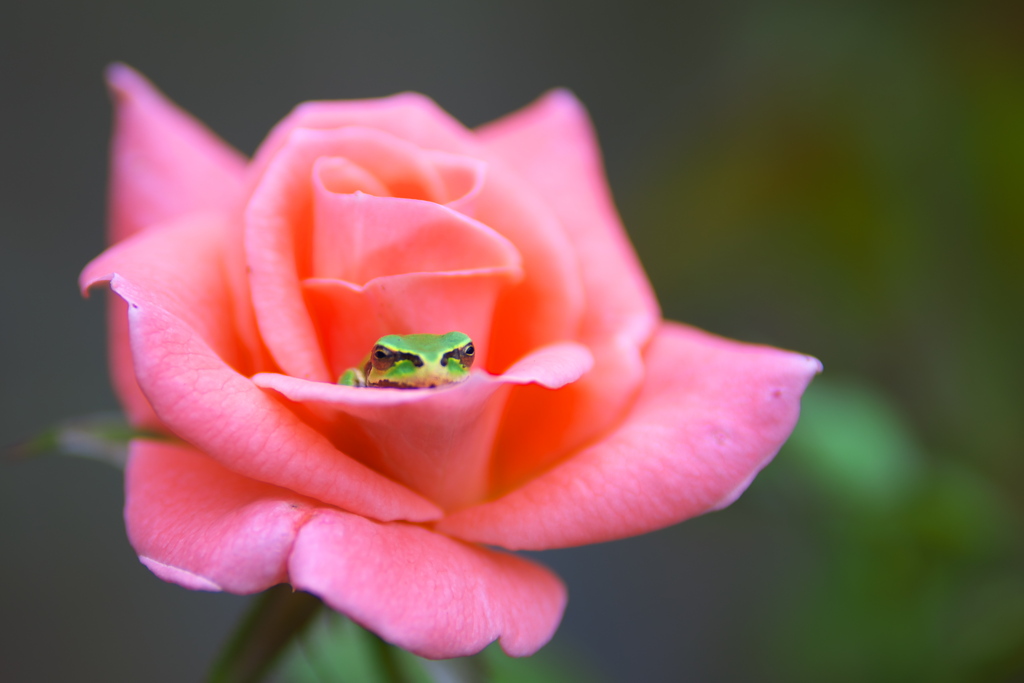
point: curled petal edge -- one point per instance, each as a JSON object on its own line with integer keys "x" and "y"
{"x": 702, "y": 427}
{"x": 222, "y": 413}
{"x": 432, "y": 595}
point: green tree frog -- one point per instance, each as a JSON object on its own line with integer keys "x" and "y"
{"x": 414, "y": 361}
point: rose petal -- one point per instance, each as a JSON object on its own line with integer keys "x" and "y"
{"x": 350, "y": 318}
{"x": 436, "y": 441}
{"x": 714, "y": 413}
{"x": 407, "y": 116}
{"x": 359, "y": 237}
{"x": 208, "y": 403}
{"x": 199, "y": 525}
{"x": 463, "y": 178}
{"x": 540, "y": 427}
{"x": 552, "y": 144}
{"x": 546, "y": 306}
{"x": 164, "y": 162}
{"x": 184, "y": 264}
{"x": 342, "y": 175}
{"x": 426, "y": 593}
{"x": 400, "y": 168}
{"x": 297, "y": 228}
{"x": 122, "y": 371}
{"x": 553, "y": 367}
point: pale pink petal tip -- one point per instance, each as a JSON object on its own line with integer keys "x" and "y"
{"x": 124, "y": 80}
{"x": 563, "y": 98}
{"x": 182, "y": 577}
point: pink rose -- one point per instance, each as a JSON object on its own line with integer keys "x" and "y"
{"x": 248, "y": 287}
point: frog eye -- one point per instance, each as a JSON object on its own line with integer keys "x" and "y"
{"x": 468, "y": 353}
{"x": 382, "y": 358}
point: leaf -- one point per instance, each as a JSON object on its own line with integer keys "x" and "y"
{"x": 101, "y": 436}
{"x": 852, "y": 439}
{"x": 336, "y": 650}
{"x": 276, "y": 618}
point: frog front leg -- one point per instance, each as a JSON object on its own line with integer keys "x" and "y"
{"x": 353, "y": 377}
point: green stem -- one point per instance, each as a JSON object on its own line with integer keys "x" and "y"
{"x": 387, "y": 659}
{"x": 276, "y": 618}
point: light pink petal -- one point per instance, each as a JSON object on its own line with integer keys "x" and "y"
{"x": 122, "y": 370}
{"x": 426, "y": 593}
{"x": 409, "y": 116}
{"x": 463, "y": 179}
{"x": 209, "y": 404}
{"x": 397, "y": 169}
{"x": 711, "y": 414}
{"x": 164, "y": 163}
{"x": 552, "y": 366}
{"x": 552, "y": 145}
{"x": 540, "y": 427}
{"x": 544, "y": 308}
{"x": 359, "y": 237}
{"x": 399, "y": 165}
{"x": 181, "y": 264}
{"x": 437, "y": 441}
{"x": 547, "y": 306}
{"x": 199, "y": 525}
{"x": 297, "y": 228}
{"x": 341, "y": 175}
{"x": 191, "y": 264}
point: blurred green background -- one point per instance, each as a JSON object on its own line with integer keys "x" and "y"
{"x": 839, "y": 178}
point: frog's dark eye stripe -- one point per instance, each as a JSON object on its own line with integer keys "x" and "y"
{"x": 464, "y": 355}
{"x": 382, "y": 358}
{"x": 411, "y": 357}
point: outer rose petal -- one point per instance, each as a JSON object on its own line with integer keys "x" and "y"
{"x": 409, "y": 116}
{"x": 427, "y": 593}
{"x": 223, "y": 413}
{"x": 552, "y": 145}
{"x": 179, "y": 307}
{"x": 164, "y": 163}
{"x": 199, "y": 525}
{"x": 444, "y": 445}
{"x": 181, "y": 264}
{"x": 540, "y": 427}
{"x": 715, "y": 412}
{"x": 188, "y": 259}
{"x": 546, "y": 306}
{"x": 122, "y": 371}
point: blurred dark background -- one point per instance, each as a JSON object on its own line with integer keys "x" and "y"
{"x": 840, "y": 178}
